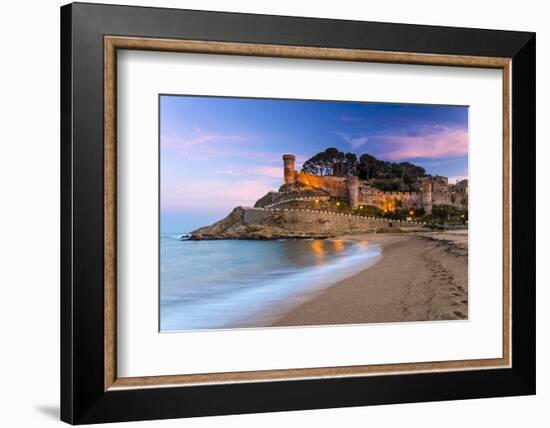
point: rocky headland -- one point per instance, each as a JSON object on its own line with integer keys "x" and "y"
{"x": 311, "y": 204}
{"x": 295, "y": 223}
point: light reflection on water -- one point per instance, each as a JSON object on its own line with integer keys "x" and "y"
{"x": 218, "y": 284}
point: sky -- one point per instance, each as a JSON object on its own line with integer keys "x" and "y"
{"x": 218, "y": 153}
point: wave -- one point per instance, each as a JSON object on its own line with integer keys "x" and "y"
{"x": 237, "y": 307}
{"x": 175, "y": 236}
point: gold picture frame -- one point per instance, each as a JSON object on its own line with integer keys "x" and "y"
{"x": 114, "y": 43}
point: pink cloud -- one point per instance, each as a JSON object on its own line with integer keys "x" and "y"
{"x": 268, "y": 171}
{"x": 440, "y": 142}
{"x": 201, "y": 145}
{"x": 195, "y": 194}
{"x": 260, "y": 171}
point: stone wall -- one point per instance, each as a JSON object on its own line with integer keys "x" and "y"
{"x": 387, "y": 200}
{"x": 337, "y": 187}
{"x": 435, "y": 190}
{"x": 320, "y": 222}
{"x": 445, "y": 198}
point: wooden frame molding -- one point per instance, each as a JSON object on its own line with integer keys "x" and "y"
{"x": 113, "y": 43}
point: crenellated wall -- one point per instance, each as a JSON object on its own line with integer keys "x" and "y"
{"x": 435, "y": 190}
{"x": 388, "y": 200}
{"x": 446, "y": 198}
{"x": 312, "y": 221}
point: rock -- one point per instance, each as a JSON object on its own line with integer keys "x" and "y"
{"x": 274, "y": 223}
{"x": 269, "y": 227}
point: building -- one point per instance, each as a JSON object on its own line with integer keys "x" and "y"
{"x": 434, "y": 190}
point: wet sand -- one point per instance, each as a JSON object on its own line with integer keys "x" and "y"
{"x": 421, "y": 276}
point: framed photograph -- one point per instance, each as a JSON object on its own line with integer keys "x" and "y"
{"x": 265, "y": 213}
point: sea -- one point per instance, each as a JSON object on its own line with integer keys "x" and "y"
{"x": 238, "y": 283}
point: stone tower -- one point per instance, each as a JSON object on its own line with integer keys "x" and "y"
{"x": 288, "y": 165}
{"x": 353, "y": 188}
{"x": 427, "y": 196}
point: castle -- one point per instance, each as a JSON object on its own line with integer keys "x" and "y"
{"x": 433, "y": 190}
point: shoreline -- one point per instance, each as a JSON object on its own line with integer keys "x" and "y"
{"x": 420, "y": 277}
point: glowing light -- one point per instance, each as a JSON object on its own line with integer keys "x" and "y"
{"x": 361, "y": 207}
{"x": 316, "y": 201}
{"x": 411, "y": 212}
{"x": 338, "y": 245}
{"x": 337, "y": 204}
{"x": 318, "y": 249}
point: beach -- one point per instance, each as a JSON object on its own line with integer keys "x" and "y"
{"x": 420, "y": 277}
{"x": 352, "y": 279}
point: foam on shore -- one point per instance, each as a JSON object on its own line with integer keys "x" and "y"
{"x": 239, "y": 307}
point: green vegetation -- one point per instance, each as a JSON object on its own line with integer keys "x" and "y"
{"x": 399, "y": 175}
{"x": 369, "y": 211}
{"x": 384, "y": 175}
{"x": 416, "y": 214}
{"x": 446, "y": 214}
{"x": 324, "y": 163}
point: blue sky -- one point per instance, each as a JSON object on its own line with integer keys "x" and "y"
{"x": 217, "y": 153}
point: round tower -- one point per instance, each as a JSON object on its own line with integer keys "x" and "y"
{"x": 353, "y": 188}
{"x": 288, "y": 169}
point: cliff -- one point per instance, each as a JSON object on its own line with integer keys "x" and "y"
{"x": 241, "y": 223}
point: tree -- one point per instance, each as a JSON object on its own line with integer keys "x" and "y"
{"x": 323, "y": 162}
{"x": 368, "y": 166}
{"x": 441, "y": 213}
{"x": 404, "y": 174}
{"x": 398, "y": 203}
{"x": 350, "y": 164}
{"x": 384, "y": 175}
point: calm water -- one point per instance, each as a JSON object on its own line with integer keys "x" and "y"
{"x": 226, "y": 284}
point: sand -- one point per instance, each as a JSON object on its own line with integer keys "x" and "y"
{"x": 421, "y": 276}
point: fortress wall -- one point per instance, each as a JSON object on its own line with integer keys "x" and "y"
{"x": 386, "y": 200}
{"x": 434, "y": 193}
{"x": 311, "y": 221}
{"x": 444, "y": 198}
{"x": 435, "y": 190}
{"x": 336, "y": 186}
{"x": 441, "y": 198}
